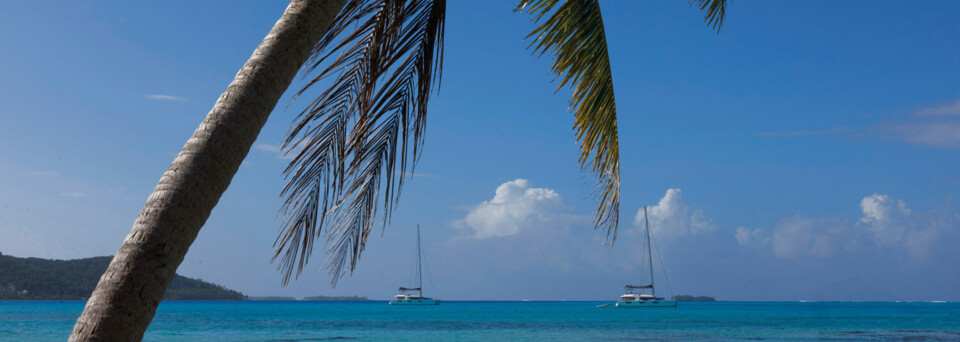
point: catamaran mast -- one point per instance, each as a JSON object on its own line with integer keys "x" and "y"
{"x": 646, "y": 222}
{"x": 419, "y": 273}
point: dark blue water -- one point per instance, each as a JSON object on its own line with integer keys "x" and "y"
{"x": 505, "y": 321}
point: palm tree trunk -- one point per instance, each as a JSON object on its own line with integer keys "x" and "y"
{"x": 126, "y": 298}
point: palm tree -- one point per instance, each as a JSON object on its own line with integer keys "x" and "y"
{"x": 126, "y": 297}
{"x": 385, "y": 58}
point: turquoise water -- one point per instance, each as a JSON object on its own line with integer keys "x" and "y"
{"x": 506, "y": 321}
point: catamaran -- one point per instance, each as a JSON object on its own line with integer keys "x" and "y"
{"x": 634, "y": 296}
{"x": 414, "y": 295}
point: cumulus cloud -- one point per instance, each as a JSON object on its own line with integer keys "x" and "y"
{"x": 749, "y": 237}
{"x": 514, "y": 206}
{"x": 893, "y": 223}
{"x": 673, "y": 218}
{"x": 885, "y": 224}
{"x": 884, "y": 218}
{"x": 159, "y": 97}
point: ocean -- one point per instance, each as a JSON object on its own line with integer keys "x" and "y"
{"x": 507, "y": 321}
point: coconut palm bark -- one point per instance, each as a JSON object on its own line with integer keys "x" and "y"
{"x": 126, "y": 297}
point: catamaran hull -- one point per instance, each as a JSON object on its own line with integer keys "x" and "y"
{"x": 648, "y": 304}
{"x": 424, "y": 301}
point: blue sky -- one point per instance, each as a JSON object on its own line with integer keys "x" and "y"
{"x": 809, "y": 151}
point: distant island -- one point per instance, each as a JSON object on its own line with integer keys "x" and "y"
{"x": 686, "y": 298}
{"x": 44, "y": 279}
{"x": 272, "y": 299}
{"x": 310, "y": 299}
{"x": 336, "y": 299}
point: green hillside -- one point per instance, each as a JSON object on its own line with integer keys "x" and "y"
{"x": 35, "y": 278}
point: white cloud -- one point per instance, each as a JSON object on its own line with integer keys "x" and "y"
{"x": 952, "y": 109}
{"x": 803, "y": 236}
{"x": 515, "y": 206}
{"x": 269, "y": 148}
{"x": 804, "y": 133}
{"x": 938, "y": 133}
{"x": 930, "y": 231}
{"x": 886, "y": 224}
{"x": 883, "y": 218}
{"x": 746, "y": 236}
{"x": 278, "y": 151}
{"x": 673, "y": 218}
{"x": 918, "y": 242}
{"x": 73, "y": 194}
{"x": 934, "y": 127}
{"x": 893, "y": 223}
{"x": 159, "y": 97}
{"x": 937, "y": 127}
{"x": 700, "y": 223}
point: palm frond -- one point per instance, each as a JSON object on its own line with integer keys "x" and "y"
{"x": 574, "y": 34}
{"x": 384, "y": 59}
{"x": 716, "y": 11}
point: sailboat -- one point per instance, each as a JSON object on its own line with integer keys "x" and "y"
{"x": 414, "y": 295}
{"x": 634, "y": 296}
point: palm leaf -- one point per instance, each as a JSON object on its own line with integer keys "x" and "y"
{"x": 383, "y": 57}
{"x": 716, "y": 11}
{"x": 574, "y": 34}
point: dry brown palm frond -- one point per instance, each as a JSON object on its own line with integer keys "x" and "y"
{"x": 574, "y": 34}
{"x": 384, "y": 59}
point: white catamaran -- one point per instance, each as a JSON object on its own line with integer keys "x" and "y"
{"x": 414, "y": 295}
{"x": 634, "y": 296}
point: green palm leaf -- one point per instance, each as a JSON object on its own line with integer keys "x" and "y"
{"x": 574, "y": 34}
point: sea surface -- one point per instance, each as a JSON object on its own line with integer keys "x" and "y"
{"x": 508, "y": 321}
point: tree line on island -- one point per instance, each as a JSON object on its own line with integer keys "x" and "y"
{"x": 686, "y": 298}
{"x": 44, "y": 279}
